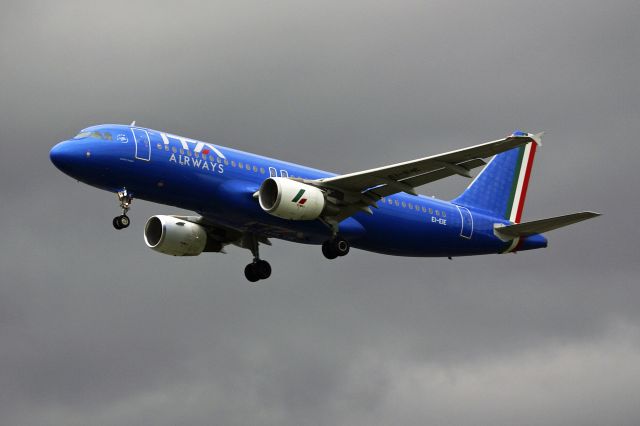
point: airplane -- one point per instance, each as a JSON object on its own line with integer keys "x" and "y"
{"x": 246, "y": 199}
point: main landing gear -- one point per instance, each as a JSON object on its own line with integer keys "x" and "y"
{"x": 122, "y": 221}
{"x": 335, "y": 247}
{"x": 258, "y": 269}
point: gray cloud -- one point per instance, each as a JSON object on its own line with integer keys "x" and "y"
{"x": 97, "y": 329}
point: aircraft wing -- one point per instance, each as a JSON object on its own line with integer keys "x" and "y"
{"x": 409, "y": 174}
{"x": 360, "y": 190}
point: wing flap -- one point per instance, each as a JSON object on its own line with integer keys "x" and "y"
{"x": 526, "y": 229}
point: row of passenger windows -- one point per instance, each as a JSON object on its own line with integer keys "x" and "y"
{"x": 272, "y": 171}
{"x": 96, "y": 135}
{"x": 412, "y": 206}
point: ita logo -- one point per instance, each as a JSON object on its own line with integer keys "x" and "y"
{"x": 298, "y": 198}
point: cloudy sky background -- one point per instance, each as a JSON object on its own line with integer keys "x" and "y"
{"x": 97, "y": 329}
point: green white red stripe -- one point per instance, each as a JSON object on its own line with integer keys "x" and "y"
{"x": 519, "y": 189}
{"x": 521, "y": 182}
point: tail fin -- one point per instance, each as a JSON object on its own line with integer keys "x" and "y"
{"x": 501, "y": 188}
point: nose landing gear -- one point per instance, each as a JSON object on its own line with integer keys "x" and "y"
{"x": 122, "y": 221}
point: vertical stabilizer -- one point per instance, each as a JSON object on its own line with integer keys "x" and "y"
{"x": 500, "y": 189}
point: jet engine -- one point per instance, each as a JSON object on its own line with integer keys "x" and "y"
{"x": 176, "y": 237}
{"x": 288, "y": 199}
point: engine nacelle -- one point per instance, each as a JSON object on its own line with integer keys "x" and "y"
{"x": 175, "y": 237}
{"x": 289, "y": 199}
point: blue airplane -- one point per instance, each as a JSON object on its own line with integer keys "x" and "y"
{"x": 245, "y": 199}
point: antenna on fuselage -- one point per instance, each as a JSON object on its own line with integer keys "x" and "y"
{"x": 133, "y": 123}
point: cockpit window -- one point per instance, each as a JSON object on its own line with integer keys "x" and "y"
{"x": 95, "y": 134}
{"x": 82, "y": 135}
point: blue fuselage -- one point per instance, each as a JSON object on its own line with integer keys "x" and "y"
{"x": 219, "y": 183}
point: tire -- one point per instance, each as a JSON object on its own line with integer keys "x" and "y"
{"x": 341, "y": 246}
{"x": 124, "y": 221}
{"x": 328, "y": 250}
{"x": 262, "y": 269}
{"x": 116, "y": 222}
{"x": 250, "y": 273}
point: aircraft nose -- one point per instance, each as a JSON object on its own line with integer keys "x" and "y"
{"x": 62, "y": 156}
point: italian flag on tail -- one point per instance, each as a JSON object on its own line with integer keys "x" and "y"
{"x": 520, "y": 184}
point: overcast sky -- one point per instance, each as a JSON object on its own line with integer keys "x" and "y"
{"x": 96, "y": 329}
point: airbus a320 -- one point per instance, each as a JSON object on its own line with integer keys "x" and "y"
{"x": 247, "y": 199}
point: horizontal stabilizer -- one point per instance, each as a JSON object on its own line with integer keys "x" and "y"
{"x": 543, "y": 225}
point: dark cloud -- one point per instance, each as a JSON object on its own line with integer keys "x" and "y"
{"x": 97, "y": 329}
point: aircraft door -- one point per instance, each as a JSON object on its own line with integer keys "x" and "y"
{"x": 466, "y": 228}
{"x": 143, "y": 145}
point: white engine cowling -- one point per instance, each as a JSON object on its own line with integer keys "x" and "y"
{"x": 289, "y": 199}
{"x": 175, "y": 237}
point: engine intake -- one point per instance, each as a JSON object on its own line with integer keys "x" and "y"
{"x": 176, "y": 237}
{"x": 288, "y": 199}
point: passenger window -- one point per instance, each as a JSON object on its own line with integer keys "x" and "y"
{"x": 174, "y": 149}
{"x": 424, "y": 209}
{"x": 261, "y": 170}
{"x": 159, "y": 146}
{"x": 411, "y": 205}
{"x": 444, "y": 214}
{"x": 248, "y": 167}
{"x": 255, "y": 169}
{"x": 240, "y": 165}
{"x": 107, "y": 136}
{"x": 233, "y": 163}
{"x": 397, "y": 203}
{"x": 219, "y": 160}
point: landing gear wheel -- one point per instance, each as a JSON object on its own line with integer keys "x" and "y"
{"x": 124, "y": 221}
{"x": 334, "y": 248}
{"x": 328, "y": 251}
{"x": 263, "y": 269}
{"x": 250, "y": 273}
{"x": 258, "y": 270}
{"x": 341, "y": 246}
{"x": 121, "y": 222}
